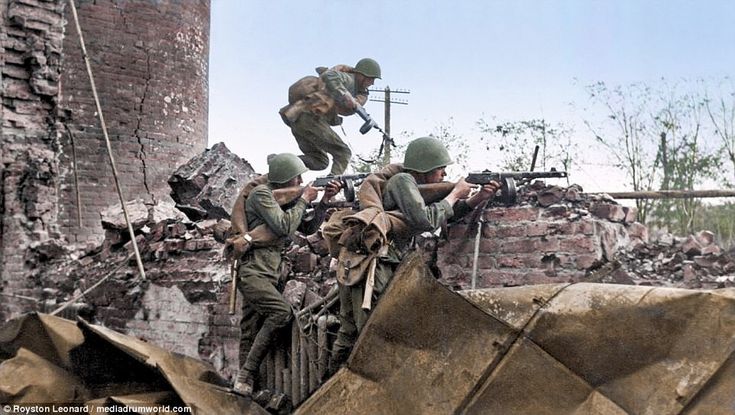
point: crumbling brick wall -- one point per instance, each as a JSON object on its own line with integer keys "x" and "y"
{"x": 32, "y": 37}
{"x": 150, "y": 63}
{"x": 150, "y": 66}
{"x": 535, "y": 245}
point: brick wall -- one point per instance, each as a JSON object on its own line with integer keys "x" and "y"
{"x": 533, "y": 245}
{"x": 149, "y": 60}
{"x": 32, "y": 37}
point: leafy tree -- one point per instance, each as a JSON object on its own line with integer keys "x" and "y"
{"x": 682, "y": 156}
{"x": 658, "y": 137}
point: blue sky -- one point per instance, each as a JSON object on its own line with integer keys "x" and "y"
{"x": 506, "y": 60}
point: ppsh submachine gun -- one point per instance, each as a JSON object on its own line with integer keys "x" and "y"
{"x": 511, "y": 181}
{"x": 348, "y": 182}
{"x": 369, "y": 123}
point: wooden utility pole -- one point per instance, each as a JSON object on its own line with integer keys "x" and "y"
{"x": 386, "y": 100}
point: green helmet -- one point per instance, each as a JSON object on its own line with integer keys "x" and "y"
{"x": 368, "y": 67}
{"x": 425, "y": 154}
{"x": 284, "y": 167}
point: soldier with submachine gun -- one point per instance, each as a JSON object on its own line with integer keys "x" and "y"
{"x": 358, "y": 262}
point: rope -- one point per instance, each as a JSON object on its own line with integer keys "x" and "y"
{"x": 107, "y": 140}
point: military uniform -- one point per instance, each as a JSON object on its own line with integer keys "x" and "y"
{"x": 315, "y": 105}
{"x": 264, "y": 310}
{"x": 401, "y": 193}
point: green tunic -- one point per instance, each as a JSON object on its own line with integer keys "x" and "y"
{"x": 314, "y": 133}
{"x": 264, "y": 311}
{"x": 401, "y": 193}
{"x": 338, "y": 83}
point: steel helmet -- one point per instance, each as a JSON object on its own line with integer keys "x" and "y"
{"x": 425, "y": 154}
{"x": 284, "y": 167}
{"x": 368, "y": 67}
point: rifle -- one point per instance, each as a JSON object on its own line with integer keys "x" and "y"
{"x": 509, "y": 181}
{"x": 348, "y": 182}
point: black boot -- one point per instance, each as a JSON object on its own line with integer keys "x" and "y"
{"x": 244, "y": 383}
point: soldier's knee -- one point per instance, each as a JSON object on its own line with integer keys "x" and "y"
{"x": 281, "y": 318}
{"x": 346, "y": 152}
{"x": 315, "y": 161}
{"x": 321, "y": 164}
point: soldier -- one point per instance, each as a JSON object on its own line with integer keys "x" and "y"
{"x": 425, "y": 162}
{"x": 315, "y": 104}
{"x": 265, "y": 312}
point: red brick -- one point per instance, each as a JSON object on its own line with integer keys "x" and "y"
{"x": 631, "y": 214}
{"x": 539, "y": 228}
{"x": 608, "y": 211}
{"x": 488, "y": 246}
{"x": 580, "y": 227}
{"x": 587, "y": 261}
{"x": 579, "y": 244}
{"x": 556, "y": 212}
{"x": 638, "y": 230}
{"x": 518, "y": 246}
{"x": 457, "y": 231}
{"x": 511, "y": 214}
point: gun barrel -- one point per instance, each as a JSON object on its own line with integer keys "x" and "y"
{"x": 324, "y": 180}
{"x": 487, "y": 176}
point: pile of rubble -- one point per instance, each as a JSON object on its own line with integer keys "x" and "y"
{"x": 180, "y": 246}
{"x": 695, "y": 261}
{"x": 661, "y": 259}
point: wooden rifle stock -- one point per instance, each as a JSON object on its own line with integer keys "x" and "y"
{"x": 287, "y": 195}
{"x": 434, "y": 192}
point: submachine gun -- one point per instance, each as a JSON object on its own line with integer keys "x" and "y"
{"x": 509, "y": 184}
{"x": 369, "y": 121}
{"x": 511, "y": 181}
{"x": 348, "y": 182}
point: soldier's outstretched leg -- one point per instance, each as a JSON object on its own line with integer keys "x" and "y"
{"x": 265, "y": 299}
{"x": 308, "y": 132}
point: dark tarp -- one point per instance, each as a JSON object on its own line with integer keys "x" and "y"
{"x": 545, "y": 349}
{"x": 46, "y": 359}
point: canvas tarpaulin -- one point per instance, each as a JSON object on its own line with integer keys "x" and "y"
{"x": 546, "y": 349}
{"x": 49, "y": 360}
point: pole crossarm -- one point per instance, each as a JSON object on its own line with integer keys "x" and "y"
{"x": 391, "y": 101}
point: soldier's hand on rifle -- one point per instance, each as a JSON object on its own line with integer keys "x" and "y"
{"x": 310, "y": 193}
{"x": 486, "y": 192}
{"x": 348, "y": 102}
{"x": 331, "y": 189}
{"x": 460, "y": 191}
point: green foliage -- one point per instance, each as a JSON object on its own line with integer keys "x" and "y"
{"x": 660, "y": 137}
{"x": 683, "y": 159}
